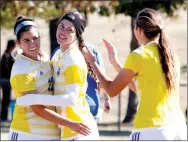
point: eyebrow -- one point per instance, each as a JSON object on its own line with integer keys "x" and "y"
{"x": 67, "y": 27}
{"x": 32, "y": 37}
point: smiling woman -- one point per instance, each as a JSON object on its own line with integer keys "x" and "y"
{"x": 70, "y": 74}
{"x": 32, "y": 73}
{"x": 25, "y": 78}
{"x": 30, "y": 42}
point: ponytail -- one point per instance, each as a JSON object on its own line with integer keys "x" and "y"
{"x": 90, "y": 70}
{"x": 167, "y": 61}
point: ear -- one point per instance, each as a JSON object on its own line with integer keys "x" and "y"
{"x": 17, "y": 42}
{"x": 139, "y": 30}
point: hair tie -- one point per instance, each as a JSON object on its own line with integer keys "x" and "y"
{"x": 23, "y": 24}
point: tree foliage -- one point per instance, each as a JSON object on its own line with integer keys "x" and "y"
{"x": 131, "y": 7}
{"x": 47, "y": 10}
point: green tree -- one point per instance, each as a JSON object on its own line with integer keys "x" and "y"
{"x": 131, "y": 8}
{"x": 47, "y": 10}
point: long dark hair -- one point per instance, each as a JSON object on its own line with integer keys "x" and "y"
{"x": 151, "y": 22}
{"x": 82, "y": 45}
{"x": 90, "y": 70}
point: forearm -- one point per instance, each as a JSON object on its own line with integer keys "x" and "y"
{"x": 113, "y": 88}
{"x": 50, "y": 115}
{"x": 117, "y": 65}
{"x": 49, "y": 100}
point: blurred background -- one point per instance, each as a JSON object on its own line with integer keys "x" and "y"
{"x": 111, "y": 20}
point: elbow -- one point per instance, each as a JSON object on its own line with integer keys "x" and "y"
{"x": 113, "y": 90}
{"x": 112, "y": 94}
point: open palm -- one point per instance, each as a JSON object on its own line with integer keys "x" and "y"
{"x": 112, "y": 53}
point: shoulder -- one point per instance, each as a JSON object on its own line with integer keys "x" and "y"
{"x": 56, "y": 54}
{"x": 45, "y": 57}
{"x": 20, "y": 66}
{"x": 136, "y": 54}
{"x": 138, "y": 51}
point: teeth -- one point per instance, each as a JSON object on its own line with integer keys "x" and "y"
{"x": 33, "y": 49}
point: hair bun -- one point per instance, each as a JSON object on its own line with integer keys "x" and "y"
{"x": 21, "y": 17}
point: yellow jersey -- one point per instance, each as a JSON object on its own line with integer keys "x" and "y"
{"x": 157, "y": 106}
{"x": 28, "y": 75}
{"x": 70, "y": 73}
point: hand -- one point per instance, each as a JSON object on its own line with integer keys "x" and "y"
{"x": 79, "y": 128}
{"x": 107, "y": 105}
{"x": 112, "y": 53}
{"x": 88, "y": 55}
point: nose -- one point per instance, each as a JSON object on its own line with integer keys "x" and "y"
{"x": 62, "y": 30}
{"x": 32, "y": 41}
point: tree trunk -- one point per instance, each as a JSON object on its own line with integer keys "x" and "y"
{"x": 133, "y": 99}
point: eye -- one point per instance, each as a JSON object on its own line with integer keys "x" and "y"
{"x": 26, "y": 40}
{"x": 34, "y": 38}
{"x": 70, "y": 30}
{"x": 62, "y": 26}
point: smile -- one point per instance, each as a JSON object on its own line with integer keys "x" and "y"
{"x": 32, "y": 49}
{"x": 62, "y": 37}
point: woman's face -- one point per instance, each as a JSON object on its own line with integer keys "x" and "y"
{"x": 30, "y": 43}
{"x": 66, "y": 33}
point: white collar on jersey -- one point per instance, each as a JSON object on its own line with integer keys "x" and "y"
{"x": 153, "y": 41}
{"x": 66, "y": 51}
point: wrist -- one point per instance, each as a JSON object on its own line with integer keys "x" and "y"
{"x": 115, "y": 62}
{"x": 67, "y": 123}
{"x": 107, "y": 99}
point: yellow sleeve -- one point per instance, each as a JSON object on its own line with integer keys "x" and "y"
{"x": 133, "y": 62}
{"x": 23, "y": 83}
{"x": 74, "y": 74}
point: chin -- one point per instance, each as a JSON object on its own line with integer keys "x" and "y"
{"x": 60, "y": 42}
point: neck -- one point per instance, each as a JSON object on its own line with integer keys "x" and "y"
{"x": 35, "y": 58}
{"x": 145, "y": 41}
{"x": 66, "y": 47}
